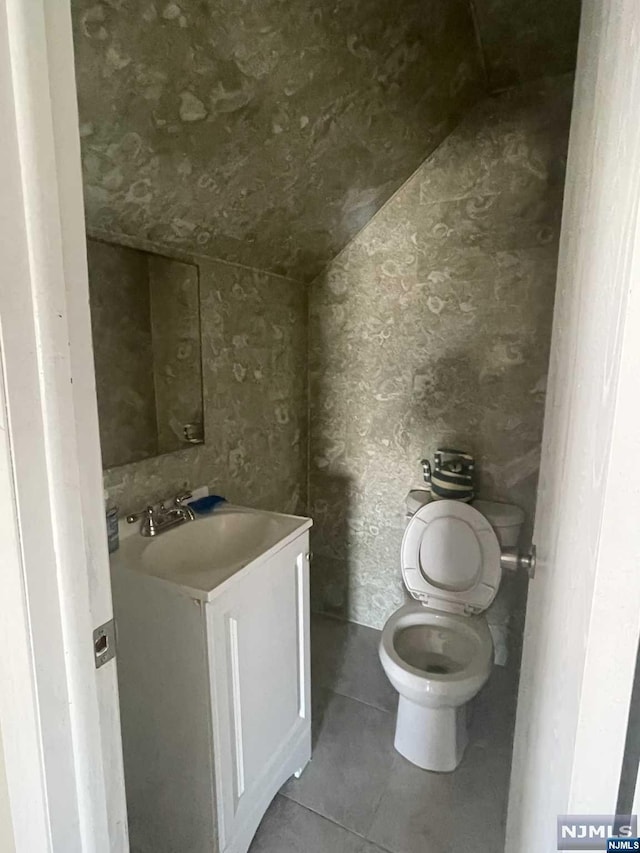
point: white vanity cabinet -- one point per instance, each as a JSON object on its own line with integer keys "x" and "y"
{"x": 259, "y": 657}
{"x": 215, "y": 695}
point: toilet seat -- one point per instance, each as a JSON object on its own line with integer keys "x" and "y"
{"x": 450, "y": 558}
{"x": 430, "y": 689}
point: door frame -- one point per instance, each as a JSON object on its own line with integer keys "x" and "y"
{"x": 583, "y": 612}
{"x": 59, "y": 715}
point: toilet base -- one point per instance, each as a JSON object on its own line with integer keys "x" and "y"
{"x": 431, "y": 738}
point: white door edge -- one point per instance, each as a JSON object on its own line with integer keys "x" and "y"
{"x": 56, "y": 557}
{"x": 583, "y": 612}
{"x": 19, "y": 709}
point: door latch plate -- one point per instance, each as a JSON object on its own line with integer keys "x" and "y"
{"x": 104, "y": 643}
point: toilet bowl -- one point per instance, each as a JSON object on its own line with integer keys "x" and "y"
{"x": 437, "y": 662}
{"x": 437, "y": 651}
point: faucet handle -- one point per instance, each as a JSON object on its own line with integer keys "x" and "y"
{"x": 147, "y": 512}
{"x": 181, "y": 498}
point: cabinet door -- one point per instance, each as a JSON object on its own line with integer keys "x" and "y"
{"x": 259, "y": 653}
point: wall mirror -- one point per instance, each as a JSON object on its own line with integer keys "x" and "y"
{"x": 145, "y": 318}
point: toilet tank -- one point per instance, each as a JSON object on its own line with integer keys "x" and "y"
{"x": 506, "y": 520}
{"x": 415, "y": 499}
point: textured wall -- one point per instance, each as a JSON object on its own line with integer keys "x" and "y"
{"x": 526, "y": 39}
{"x": 433, "y": 327}
{"x": 264, "y": 133}
{"x": 254, "y": 350}
{"x": 268, "y": 135}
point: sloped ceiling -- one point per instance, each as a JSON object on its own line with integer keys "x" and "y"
{"x": 264, "y": 133}
{"x": 269, "y": 133}
{"x": 526, "y": 39}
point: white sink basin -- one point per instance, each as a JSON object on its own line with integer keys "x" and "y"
{"x": 199, "y": 555}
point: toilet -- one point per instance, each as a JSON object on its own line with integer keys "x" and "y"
{"x": 437, "y": 651}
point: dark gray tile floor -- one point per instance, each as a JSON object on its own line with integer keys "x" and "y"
{"x": 357, "y": 795}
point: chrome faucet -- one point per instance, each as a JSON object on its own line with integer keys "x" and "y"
{"x": 154, "y": 522}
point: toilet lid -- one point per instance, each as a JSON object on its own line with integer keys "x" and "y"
{"x": 451, "y": 558}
